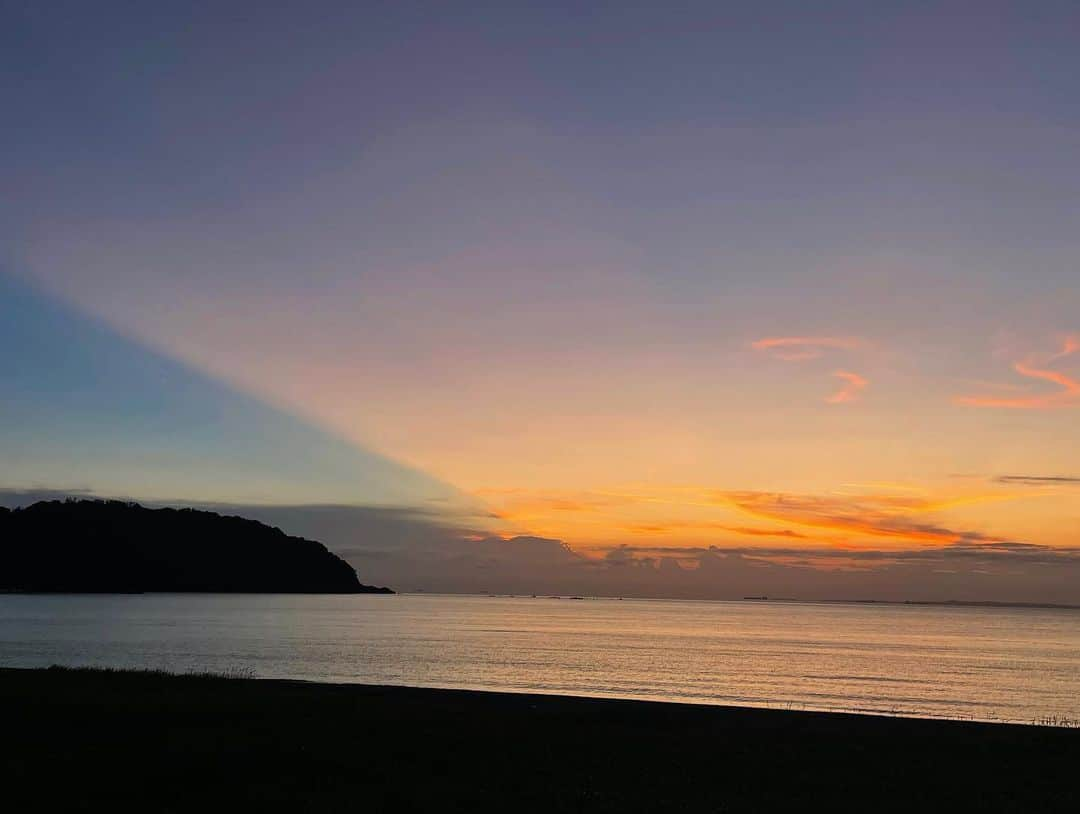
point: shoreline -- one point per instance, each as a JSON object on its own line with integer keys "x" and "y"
{"x": 544, "y": 696}
{"x": 300, "y": 745}
{"x": 1049, "y": 721}
{"x": 791, "y": 707}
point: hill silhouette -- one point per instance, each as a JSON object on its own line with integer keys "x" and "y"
{"x": 98, "y": 546}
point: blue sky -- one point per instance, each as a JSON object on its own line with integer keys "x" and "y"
{"x": 86, "y": 411}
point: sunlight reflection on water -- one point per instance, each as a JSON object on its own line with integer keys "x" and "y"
{"x": 981, "y": 663}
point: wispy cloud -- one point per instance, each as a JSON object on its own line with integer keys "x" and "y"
{"x": 799, "y": 348}
{"x": 678, "y": 526}
{"x": 803, "y": 348}
{"x": 1069, "y": 345}
{"x": 758, "y": 532}
{"x": 1039, "y": 480}
{"x": 1035, "y": 366}
{"x": 853, "y": 385}
{"x": 850, "y": 517}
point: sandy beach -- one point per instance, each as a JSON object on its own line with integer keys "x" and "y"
{"x": 95, "y": 740}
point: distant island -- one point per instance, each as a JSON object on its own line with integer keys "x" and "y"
{"x": 99, "y": 546}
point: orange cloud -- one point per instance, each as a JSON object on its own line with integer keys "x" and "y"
{"x": 1069, "y": 345}
{"x": 850, "y": 391}
{"x": 847, "y": 520}
{"x": 879, "y": 516}
{"x": 799, "y": 348}
{"x": 1034, "y": 367}
{"x": 749, "y": 531}
{"x": 756, "y": 532}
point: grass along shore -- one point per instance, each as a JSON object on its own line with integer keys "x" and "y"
{"x": 110, "y": 740}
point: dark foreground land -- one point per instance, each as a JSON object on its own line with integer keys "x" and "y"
{"x": 106, "y": 741}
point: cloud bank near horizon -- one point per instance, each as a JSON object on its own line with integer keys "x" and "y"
{"x": 410, "y": 549}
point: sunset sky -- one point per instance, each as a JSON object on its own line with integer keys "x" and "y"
{"x": 797, "y": 284}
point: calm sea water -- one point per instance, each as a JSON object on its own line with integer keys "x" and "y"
{"x": 983, "y": 663}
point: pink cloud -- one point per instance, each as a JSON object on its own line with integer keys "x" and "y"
{"x": 1035, "y": 367}
{"x": 849, "y": 391}
{"x": 799, "y": 348}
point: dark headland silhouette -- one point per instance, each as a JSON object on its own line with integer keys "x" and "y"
{"x": 98, "y": 546}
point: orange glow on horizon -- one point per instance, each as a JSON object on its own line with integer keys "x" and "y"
{"x": 692, "y": 518}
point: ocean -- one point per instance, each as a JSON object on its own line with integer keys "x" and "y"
{"x": 1006, "y": 664}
